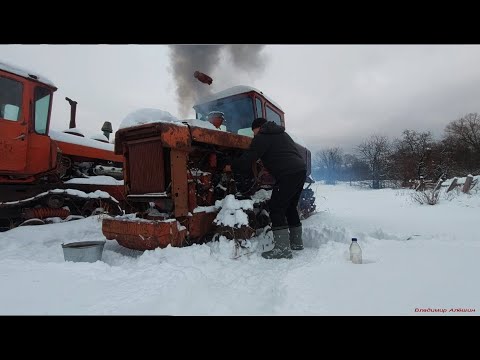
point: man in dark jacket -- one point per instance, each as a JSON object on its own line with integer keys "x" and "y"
{"x": 282, "y": 159}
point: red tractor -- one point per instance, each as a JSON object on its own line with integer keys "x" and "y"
{"x": 174, "y": 175}
{"x": 44, "y": 173}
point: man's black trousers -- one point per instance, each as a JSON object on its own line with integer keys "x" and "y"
{"x": 284, "y": 200}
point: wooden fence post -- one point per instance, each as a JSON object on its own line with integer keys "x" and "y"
{"x": 468, "y": 183}
{"x": 452, "y": 185}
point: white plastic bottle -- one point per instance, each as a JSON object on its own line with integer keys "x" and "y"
{"x": 355, "y": 252}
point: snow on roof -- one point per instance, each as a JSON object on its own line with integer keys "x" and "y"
{"x": 201, "y": 123}
{"x": 147, "y": 116}
{"x": 236, "y": 90}
{"x": 24, "y": 73}
{"x": 78, "y": 140}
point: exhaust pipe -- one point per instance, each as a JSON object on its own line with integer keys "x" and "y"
{"x": 73, "y": 112}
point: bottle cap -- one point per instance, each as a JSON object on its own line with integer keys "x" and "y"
{"x": 354, "y": 239}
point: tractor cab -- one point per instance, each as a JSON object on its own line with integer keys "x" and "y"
{"x": 25, "y": 106}
{"x": 238, "y": 107}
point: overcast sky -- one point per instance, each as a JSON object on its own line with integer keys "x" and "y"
{"x": 332, "y": 95}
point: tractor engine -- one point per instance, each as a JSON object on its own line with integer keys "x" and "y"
{"x": 175, "y": 179}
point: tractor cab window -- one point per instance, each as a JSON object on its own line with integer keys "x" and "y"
{"x": 259, "y": 107}
{"x": 238, "y": 114}
{"x": 42, "y": 106}
{"x": 10, "y": 99}
{"x": 273, "y": 116}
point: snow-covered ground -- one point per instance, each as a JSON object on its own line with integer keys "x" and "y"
{"x": 417, "y": 259}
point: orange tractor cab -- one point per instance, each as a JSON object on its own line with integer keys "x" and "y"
{"x": 175, "y": 176}
{"x": 45, "y": 173}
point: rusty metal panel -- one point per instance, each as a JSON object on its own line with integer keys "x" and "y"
{"x": 172, "y": 135}
{"x": 126, "y": 166}
{"x": 178, "y": 161}
{"x": 220, "y": 138}
{"x": 85, "y": 152}
{"x": 201, "y": 224}
{"x": 146, "y": 172}
{"x": 176, "y": 136}
{"x": 143, "y": 235}
{"x": 192, "y": 195}
{"x": 143, "y": 132}
{"x": 13, "y": 146}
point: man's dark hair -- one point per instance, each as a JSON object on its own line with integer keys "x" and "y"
{"x": 258, "y": 122}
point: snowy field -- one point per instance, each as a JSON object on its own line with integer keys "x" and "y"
{"x": 417, "y": 260}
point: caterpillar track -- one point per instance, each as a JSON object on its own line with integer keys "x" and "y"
{"x": 56, "y": 205}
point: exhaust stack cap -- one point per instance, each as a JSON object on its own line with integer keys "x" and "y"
{"x": 204, "y": 78}
{"x": 107, "y": 129}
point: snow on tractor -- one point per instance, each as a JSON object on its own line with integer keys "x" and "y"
{"x": 176, "y": 182}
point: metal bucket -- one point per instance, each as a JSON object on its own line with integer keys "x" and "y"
{"x": 83, "y": 251}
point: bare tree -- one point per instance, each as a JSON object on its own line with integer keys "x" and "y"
{"x": 375, "y": 151}
{"x": 331, "y": 159}
{"x": 466, "y": 130}
{"x": 462, "y": 145}
{"x": 413, "y": 156}
{"x": 441, "y": 162}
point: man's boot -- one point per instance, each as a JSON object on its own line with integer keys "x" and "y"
{"x": 296, "y": 242}
{"x": 281, "y": 249}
